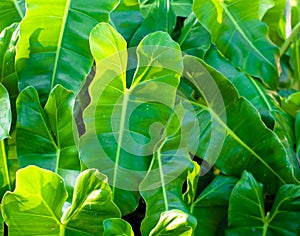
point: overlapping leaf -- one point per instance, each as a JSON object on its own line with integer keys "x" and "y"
{"x": 240, "y": 36}
{"x": 247, "y": 215}
{"x": 35, "y": 207}
{"x": 194, "y": 39}
{"x": 49, "y": 132}
{"x": 120, "y": 136}
{"x": 8, "y": 77}
{"x": 11, "y": 11}
{"x": 161, "y": 10}
{"x": 127, "y": 18}
{"x": 257, "y": 150}
{"x": 53, "y": 47}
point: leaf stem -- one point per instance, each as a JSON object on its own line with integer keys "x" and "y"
{"x": 4, "y": 157}
{"x": 289, "y": 40}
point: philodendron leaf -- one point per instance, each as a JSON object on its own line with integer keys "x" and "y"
{"x": 211, "y": 206}
{"x": 257, "y": 150}
{"x": 247, "y": 215}
{"x": 122, "y": 124}
{"x": 162, "y": 186}
{"x": 52, "y": 50}
{"x": 194, "y": 38}
{"x": 272, "y": 115}
{"x": 274, "y": 18}
{"x": 240, "y": 36}
{"x": 11, "y": 11}
{"x": 173, "y": 222}
{"x": 35, "y": 207}
{"x": 8, "y": 76}
{"x": 162, "y": 10}
{"x": 49, "y": 132}
{"x": 117, "y": 227}
{"x": 91, "y": 204}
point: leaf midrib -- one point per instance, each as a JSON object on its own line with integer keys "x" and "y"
{"x": 61, "y": 35}
{"x": 241, "y": 142}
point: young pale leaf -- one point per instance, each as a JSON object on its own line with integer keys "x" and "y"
{"x": 117, "y": 227}
{"x": 49, "y": 132}
{"x": 194, "y": 38}
{"x": 162, "y": 186}
{"x": 91, "y": 203}
{"x": 247, "y": 214}
{"x": 211, "y": 206}
{"x": 35, "y": 207}
{"x": 292, "y": 104}
{"x": 173, "y": 222}
{"x": 240, "y": 36}
{"x": 120, "y": 135}
{"x": 11, "y": 11}
{"x": 257, "y": 150}
{"x": 192, "y": 182}
{"x": 161, "y": 10}
{"x": 53, "y": 47}
{"x": 5, "y": 115}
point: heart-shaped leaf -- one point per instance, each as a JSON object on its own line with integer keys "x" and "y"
{"x": 117, "y": 226}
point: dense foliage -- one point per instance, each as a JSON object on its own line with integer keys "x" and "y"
{"x": 150, "y": 117}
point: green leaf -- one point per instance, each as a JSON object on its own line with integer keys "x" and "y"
{"x": 247, "y": 214}
{"x": 119, "y": 141}
{"x": 257, "y": 150}
{"x": 117, "y": 226}
{"x": 240, "y": 36}
{"x": 53, "y": 47}
{"x": 161, "y": 10}
{"x": 126, "y": 18}
{"x": 162, "y": 186}
{"x": 2, "y": 225}
{"x": 8, "y": 77}
{"x": 173, "y": 222}
{"x": 212, "y": 205}
{"x": 271, "y": 113}
{"x": 264, "y": 6}
{"x": 181, "y": 8}
{"x": 11, "y": 11}
{"x": 292, "y": 104}
{"x": 91, "y": 204}
{"x": 35, "y": 207}
{"x": 194, "y": 39}
{"x": 297, "y": 133}
{"x": 49, "y": 132}
{"x": 274, "y": 18}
